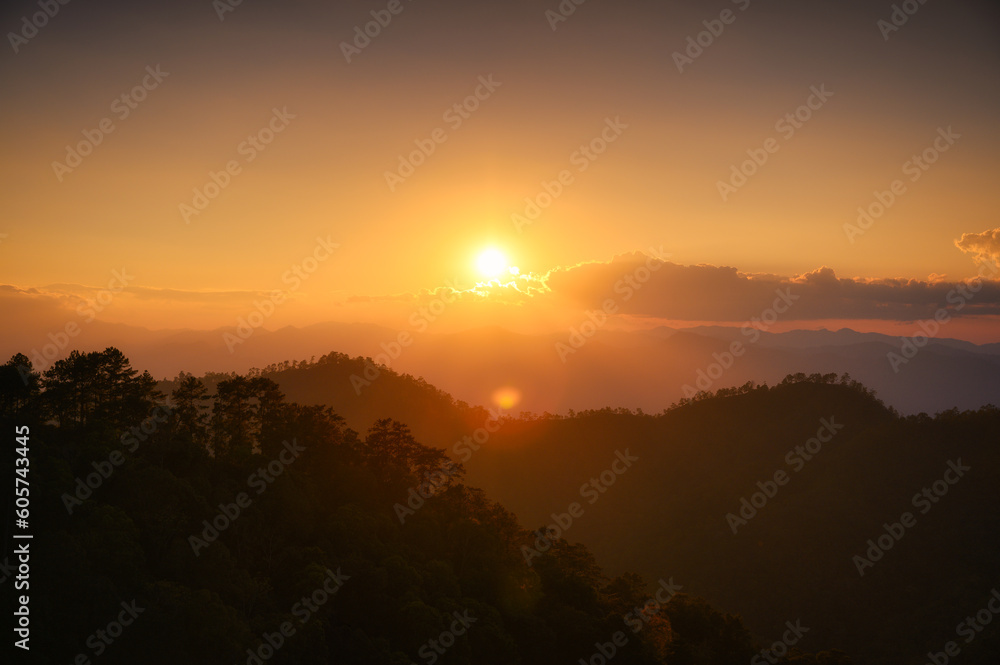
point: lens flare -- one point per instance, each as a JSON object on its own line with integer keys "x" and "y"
{"x": 507, "y": 397}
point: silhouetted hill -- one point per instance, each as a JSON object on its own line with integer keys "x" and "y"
{"x": 666, "y": 516}
{"x": 363, "y": 393}
{"x": 647, "y": 369}
{"x": 235, "y": 526}
{"x": 793, "y": 559}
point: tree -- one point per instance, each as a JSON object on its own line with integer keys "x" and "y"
{"x": 391, "y": 451}
{"x": 232, "y": 418}
{"x": 19, "y": 386}
{"x": 190, "y": 407}
{"x": 249, "y": 415}
{"x": 100, "y": 385}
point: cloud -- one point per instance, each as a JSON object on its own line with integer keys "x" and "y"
{"x": 984, "y": 247}
{"x": 83, "y": 292}
{"x": 643, "y": 286}
{"x": 54, "y": 305}
{"x": 512, "y": 289}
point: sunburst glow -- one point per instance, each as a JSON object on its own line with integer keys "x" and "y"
{"x": 492, "y": 263}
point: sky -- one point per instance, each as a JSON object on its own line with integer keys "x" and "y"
{"x": 266, "y": 146}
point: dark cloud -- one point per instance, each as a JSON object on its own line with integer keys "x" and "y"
{"x": 643, "y": 286}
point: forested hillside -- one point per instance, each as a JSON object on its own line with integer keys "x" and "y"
{"x": 766, "y": 502}
{"x": 236, "y": 526}
{"x": 669, "y": 515}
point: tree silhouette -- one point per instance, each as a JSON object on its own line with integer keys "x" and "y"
{"x": 99, "y": 385}
{"x": 329, "y": 510}
{"x": 19, "y": 386}
{"x": 190, "y": 408}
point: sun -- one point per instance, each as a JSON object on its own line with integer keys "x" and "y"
{"x": 491, "y": 263}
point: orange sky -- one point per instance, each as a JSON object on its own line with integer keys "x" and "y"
{"x": 323, "y": 176}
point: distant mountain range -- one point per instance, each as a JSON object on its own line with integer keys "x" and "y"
{"x": 643, "y": 369}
